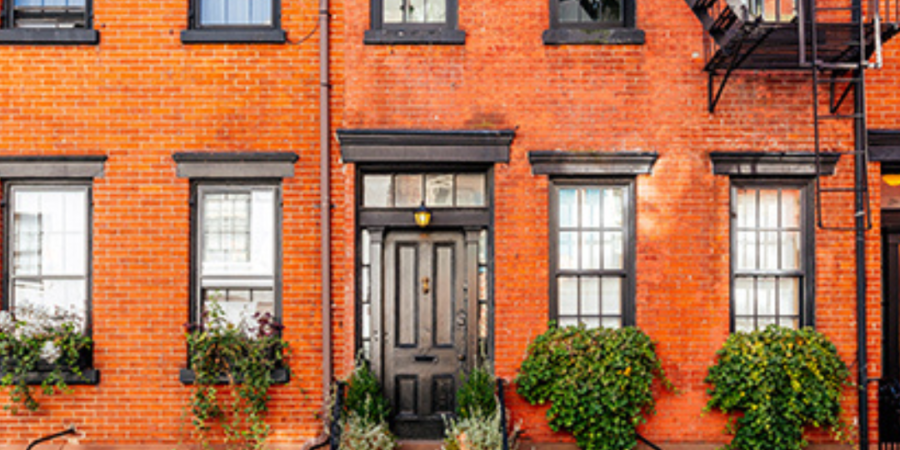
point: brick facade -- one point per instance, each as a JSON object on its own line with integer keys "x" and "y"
{"x": 141, "y": 95}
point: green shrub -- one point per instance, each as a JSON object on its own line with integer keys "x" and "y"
{"x": 365, "y": 414}
{"x": 35, "y": 338}
{"x": 598, "y": 381}
{"x": 482, "y": 432}
{"x": 778, "y": 380}
{"x": 476, "y": 395}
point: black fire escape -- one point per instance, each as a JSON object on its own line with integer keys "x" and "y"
{"x": 834, "y": 42}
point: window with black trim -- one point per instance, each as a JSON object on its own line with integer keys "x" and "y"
{"x": 772, "y": 267}
{"x": 414, "y": 22}
{"x": 592, "y": 252}
{"x": 47, "y": 21}
{"x": 593, "y": 22}
{"x": 234, "y": 21}
{"x": 237, "y": 250}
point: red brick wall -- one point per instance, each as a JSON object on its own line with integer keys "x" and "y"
{"x": 619, "y": 98}
{"x": 138, "y": 97}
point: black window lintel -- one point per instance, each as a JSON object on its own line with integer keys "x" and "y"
{"x": 57, "y": 167}
{"x": 235, "y": 164}
{"x": 563, "y": 163}
{"x": 779, "y": 164}
{"x": 416, "y": 146}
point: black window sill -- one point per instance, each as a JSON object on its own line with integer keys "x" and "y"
{"x": 89, "y": 377}
{"x": 394, "y": 36}
{"x": 49, "y": 36}
{"x": 279, "y": 376}
{"x": 599, "y": 36}
{"x": 234, "y": 36}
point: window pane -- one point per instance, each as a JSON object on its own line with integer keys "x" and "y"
{"x": 568, "y": 10}
{"x": 437, "y": 11}
{"x": 765, "y": 296}
{"x": 743, "y": 296}
{"x": 567, "y": 321}
{"x": 416, "y": 11}
{"x": 482, "y": 283}
{"x": 763, "y": 322}
{"x": 439, "y": 189}
{"x": 568, "y": 250}
{"x": 238, "y": 232}
{"x": 51, "y": 296}
{"x": 377, "y": 192}
{"x": 612, "y": 295}
{"x": 590, "y": 208}
{"x": 212, "y": 12}
{"x": 407, "y": 191}
{"x": 366, "y": 244}
{"x": 746, "y": 250}
{"x": 612, "y": 322}
{"x": 789, "y": 322}
{"x": 743, "y": 324}
{"x": 790, "y": 250}
{"x": 568, "y": 208}
{"x": 790, "y": 208}
{"x": 567, "y": 288}
{"x": 613, "y": 207}
{"x": 261, "y": 12}
{"x": 482, "y": 247}
{"x": 49, "y": 232}
{"x": 240, "y": 306}
{"x": 612, "y": 250}
{"x": 364, "y": 282}
{"x": 470, "y": 190}
{"x": 590, "y": 296}
{"x": 590, "y": 250}
{"x": 789, "y": 296}
{"x": 393, "y": 11}
{"x": 746, "y": 204}
{"x": 237, "y": 12}
{"x": 366, "y": 321}
{"x": 768, "y": 250}
{"x": 591, "y": 322}
{"x": 768, "y": 208}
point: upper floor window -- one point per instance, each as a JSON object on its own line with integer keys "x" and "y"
{"x": 237, "y": 250}
{"x": 577, "y": 22}
{"x": 47, "y": 22}
{"x": 771, "y": 267}
{"x": 234, "y": 21}
{"x": 48, "y": 250}
{"x": 591, "y": 253}
{"x": 414, "y": 22}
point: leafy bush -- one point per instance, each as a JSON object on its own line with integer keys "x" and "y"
{"x": 365, "y": 413}
{"x": 779, "y": 380}
{"x": 242, "y": 356}
{"x": 478, "y": 431}
{"x": 34, "y": 339}
{"x": 598, "y": 381}
{"x": 476, "y": 395}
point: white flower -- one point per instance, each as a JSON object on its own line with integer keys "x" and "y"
{"x": 7, "y": 323}
{"x": 27, "y": 330}
{"x": 50, "y": 352}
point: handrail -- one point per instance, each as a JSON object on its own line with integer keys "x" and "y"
{"x": 648, "y": 443}
{"x": 70, "y": 430}
{"x": 500, "y": 399}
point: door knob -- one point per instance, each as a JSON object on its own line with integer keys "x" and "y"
{"x": 461, "y": 357}
{"x": 425, "y": 288}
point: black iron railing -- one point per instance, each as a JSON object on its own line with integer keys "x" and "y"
{"x": 503, "y": 428}
{"x": 336, "y": 408}
{"x": 50, "y": 437}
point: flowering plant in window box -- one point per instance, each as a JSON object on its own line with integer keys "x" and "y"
{"x": 35, "y": 341}
{"x": 242, "y": 357}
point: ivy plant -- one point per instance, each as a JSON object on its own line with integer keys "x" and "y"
{"x": 777, "y": 381}
{"x": 240, "y": 358}
{"x": 598, "y": 381}
{"x": 365, "y": 413}
{"x": 34, "y": 339}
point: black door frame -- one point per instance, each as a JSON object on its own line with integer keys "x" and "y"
{"x": 889, "y": 390}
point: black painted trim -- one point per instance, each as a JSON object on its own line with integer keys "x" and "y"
{"x": 392, "y": 36}
{"x": 884, "y": 146}
{"x": 234, "y": 36}
{"x": 594, "y": 36}
{"x": 49, "y": 36}
{"x": 591, "y": 163}
{"x": 53, "y": 158}
{"x": 780, "y": 164}
{"x": 89, "y": 377}
{"x": 417, "y": 146}
{"x": 279, "y": 376}
{"x": 242, "y": 165}
{"x": 440, "y": 218}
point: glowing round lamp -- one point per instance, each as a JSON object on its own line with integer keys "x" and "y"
{"x": 422, "y": 216}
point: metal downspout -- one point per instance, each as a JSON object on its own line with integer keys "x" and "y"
{"x": 325, "y": 197}
{"x": 861, "y": 174}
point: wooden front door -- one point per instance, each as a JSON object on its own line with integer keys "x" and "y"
{"x": 889, "y": 387}
{"x": 425, "y": 328}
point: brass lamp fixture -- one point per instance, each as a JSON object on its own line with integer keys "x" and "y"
{"x": 422, "y": 216}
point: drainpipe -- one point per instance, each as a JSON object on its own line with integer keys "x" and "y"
{"x": 325, "y": 198}
{"x": 860, "y": 175}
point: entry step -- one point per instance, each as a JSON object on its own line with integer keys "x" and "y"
{"x": 420, "y": 445}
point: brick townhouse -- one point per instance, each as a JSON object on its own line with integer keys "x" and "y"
{"x": 627, "y": 162}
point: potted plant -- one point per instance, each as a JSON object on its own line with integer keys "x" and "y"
{"x": 35, "y": 340}
{"x": 365, "y": 413}
{"x": 241, "y": 357}
{"x": 599, "y": 382}
{"x": 478, "y": 422}
{"x": 778, "y": 381}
